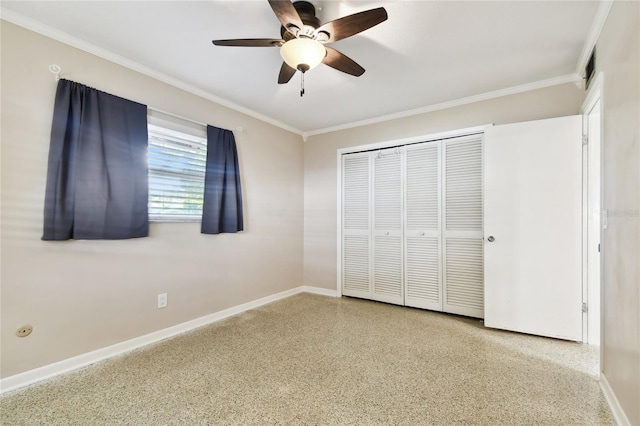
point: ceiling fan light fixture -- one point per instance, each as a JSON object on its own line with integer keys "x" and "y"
{"x": 303, "y": 54}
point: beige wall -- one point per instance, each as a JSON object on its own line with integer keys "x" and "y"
{"x": 320, "y": 159}
{"x": 618, "y": 55}
{"x": 85, "y": 295}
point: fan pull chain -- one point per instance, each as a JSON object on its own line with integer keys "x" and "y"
{"x": 302, "y": 85}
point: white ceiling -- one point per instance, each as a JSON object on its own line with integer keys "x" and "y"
{"x": 426, "y": 53}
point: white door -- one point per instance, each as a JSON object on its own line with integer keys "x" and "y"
{"x": 412, "y": 225}
{"x": 532, "y": 214}
{"x": 423, "y": 270}
{"x": 462, "y": 231}
{"x": 356, "y": 225}
{"x": 387, "y": 227}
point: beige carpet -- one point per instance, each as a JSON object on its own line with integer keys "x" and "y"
{"x": 319, "y": 360}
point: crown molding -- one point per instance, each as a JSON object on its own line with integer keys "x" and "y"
{"x": 45, "y": 30}
{"x": 594, "y": 33}
{"x": 555, "y": 81}
{"x": 65, "y": 38}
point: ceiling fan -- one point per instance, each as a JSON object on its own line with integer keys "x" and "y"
{"x": 303, "y": 38}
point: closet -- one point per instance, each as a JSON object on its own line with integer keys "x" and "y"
{"x": 412, "y": 225}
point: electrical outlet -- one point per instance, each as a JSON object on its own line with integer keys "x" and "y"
{"x": 162, "y": 300}
{"x": 24, "y": 331}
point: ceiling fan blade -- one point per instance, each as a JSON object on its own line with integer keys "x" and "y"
{"x": 250, "y": 42}
{"x": 286, "y": 14}
{"x": 353, "y": 24}
{"x": 342, "y": 62}
{"x": 286, "y": 72}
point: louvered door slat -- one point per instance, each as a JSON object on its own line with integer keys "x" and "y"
{"x": 412, "y": 226}
{"x": 387, "y": 227}
{"x": 387, "y": 280}
{"x": 422, "y": 197}
{"x": 423, "y": 273}
{"x": 387, "y": 192}
{"x": 463, "y": 185}
{"x": 422, "y": 228}
{"x": 356, "y": 231}
{"x": 356, "y": 193}
{"x": 463, "y": 245}
{"x": 356, "y": 265}
{"x": 464, "y": 273}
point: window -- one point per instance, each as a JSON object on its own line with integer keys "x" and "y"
{"x": 177, "y": 161}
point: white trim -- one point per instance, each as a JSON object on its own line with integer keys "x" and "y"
{"x": 618, "y": 413}
{"x": 564, "y": 79}
{"x": 585, "y": 228}
{"x": 48, "y": 371}
{"x": 70, "y": 40}
{"x": 339, "y": 222}
{"x": 594, "y": 33}
{"x": 593, "y": 94}
{"x": 319, "y": 290}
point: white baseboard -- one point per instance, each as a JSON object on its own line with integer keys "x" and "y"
{"x": 41, "y": 373}
{"x": 319, "y": 290}
{"x": 618, "y": 413}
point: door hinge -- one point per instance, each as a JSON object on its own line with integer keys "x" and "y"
{"x": 584, "y": 308}
{"x": 585, "y": 139}
{"x": 598, "y": 247}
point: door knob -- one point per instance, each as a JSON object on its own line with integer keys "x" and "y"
{"x": 386, "y": 233}
{"x": 422, "y": 233}
{"x": 491, "y": 239}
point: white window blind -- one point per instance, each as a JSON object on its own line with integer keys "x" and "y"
{"x": 177, "y": 160}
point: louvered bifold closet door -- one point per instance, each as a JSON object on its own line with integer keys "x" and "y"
{"x": 463, "y": 240}
{"x": 387, "y": 227}
{"x": 356, "y": 225}
{"x": 423, "y": 272}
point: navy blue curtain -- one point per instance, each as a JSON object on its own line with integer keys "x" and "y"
{"x": 97, "y": 179}
{"x": 222, "y": 208}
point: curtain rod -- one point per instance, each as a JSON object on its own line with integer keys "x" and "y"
{"x": 56, "y": 70}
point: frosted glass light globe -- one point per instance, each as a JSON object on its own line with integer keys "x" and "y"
{"x": 303, "y": 53}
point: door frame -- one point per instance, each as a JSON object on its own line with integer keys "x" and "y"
{"x": 594, "y": 95}
{"x": 375, "y": 146}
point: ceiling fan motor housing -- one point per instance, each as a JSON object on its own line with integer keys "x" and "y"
{"x": 307, "y": 13}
